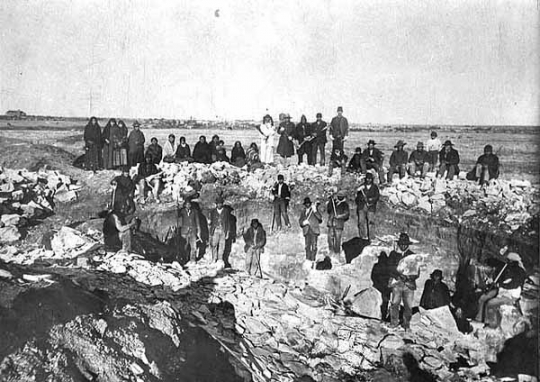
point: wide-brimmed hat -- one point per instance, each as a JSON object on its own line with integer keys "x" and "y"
{"x": 287, "y": 115}
{"x": 420, "y": 144}
{"x": 371, "y": 142}
{"x": 400, "y": 143}
{"x": 307, "y": 201}
{"x": 254, "y": 221}
{"x": 448, "y": 143}
{"x": 404, "y": 239}
{"x": 437, "y": 272}
{"x": 319, "y": 115}
{"x": 136, "y": 123}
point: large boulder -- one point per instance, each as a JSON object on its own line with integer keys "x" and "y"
{"x": 367, "y": 303}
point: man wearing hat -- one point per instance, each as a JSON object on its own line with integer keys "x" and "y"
{"x": 355, "y": 164}
{"x": 373, "y": 160}
{"x": 190, "y": 229}
{"x": 419, "y": 161}
{"x": 338, "y": 213}
{"x": 449, "y": 160}
{"x": 398, "y": 161}
{"x": 436, "y": 293}
{"x": 486, "y": 168}
{"x": 405, "y": 269}
{"x": 255, "y": 240}
{"x": 319, "y": 128}
{"x": 309, "y": 220}
{"x": 286, "y": 131}
{"x": 220, "y": 229}
{"x": 135, "y": 145}
{"x": 282, "y": 196}
{"x": 339, "y": 130}
{"x": 366, "y": 206}
{"x": 433, "y": 147}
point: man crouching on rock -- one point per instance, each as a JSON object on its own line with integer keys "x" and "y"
{"x": 255, "y": 239}
{"x": 403, "y": 281}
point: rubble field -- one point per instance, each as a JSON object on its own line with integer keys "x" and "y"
{"x": 69, "y": 311}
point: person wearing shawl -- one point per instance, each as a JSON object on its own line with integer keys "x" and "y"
{"x": 136, "y": 145}
{"x": 303, "y": 136}
{"x": 202, "y": 152}
{"x": 286, "y": 133}
{"x": 92, "y": 145}
{"x": 238, "y": 155}
{"x": 121, "y": 152}
{"x": 183, "y": 152}
{"x": 355, "y": 164}
{"x": 268, "y": 133}
{"x": 214, "y": 143}
{"x": 222, "y": 155}
{"x": 155, "y": 151}
{"x": 253, "y": 158}
{"x": 436, "y": 293}
{"x": 112, "y": 141}
{"x": 169, "y": 149}
{"x": 148, "y": 176}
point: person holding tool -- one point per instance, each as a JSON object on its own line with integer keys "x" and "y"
{"x": 255, "y": 239}
{"x": 366, "y": 206}
{"x": 338, "y": 214}
{"x": 309, "y": 220}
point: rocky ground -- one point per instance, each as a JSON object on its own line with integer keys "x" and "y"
{"x": 71, "y": 312}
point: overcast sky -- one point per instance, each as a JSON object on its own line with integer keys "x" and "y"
{"x": 426, "y": 62}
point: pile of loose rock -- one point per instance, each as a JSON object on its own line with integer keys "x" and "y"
{"x": 27, "y": 196}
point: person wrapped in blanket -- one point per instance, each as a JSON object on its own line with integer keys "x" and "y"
{"x": 148, "y": 177}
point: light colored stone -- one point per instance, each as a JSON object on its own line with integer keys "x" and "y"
{"x": 367, "y": 303}
{"x": 9, "y": 234}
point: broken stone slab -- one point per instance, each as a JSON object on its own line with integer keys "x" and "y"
{"x": 367, "y": 303}
{"x": 13, "y": 219}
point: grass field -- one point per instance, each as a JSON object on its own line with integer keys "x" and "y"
{"x": 518, "y": 151}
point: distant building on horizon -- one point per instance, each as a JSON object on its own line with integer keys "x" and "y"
{"x": 15, "y": 114}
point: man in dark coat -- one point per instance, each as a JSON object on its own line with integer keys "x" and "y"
{"x": 304, "y": 137}
{"x": 366, "y": 205}
{"x": 380, "y": 276}
{"x": 190, "y": 228}
{"x": 255, "y": 240}
{"x": 202, "y": 152}
{"x": 339, "y": 130}
{"x": 403, "y": 280}
{"x": 135, "y": 145}
{"x": 436, "y": 293}
{"x": 449, "y": 160}
{"x": 419, "y": 161}
{"x": 155, "y": 151}
{"x": 124, "y": 193}
{"x": 338, "y": 213}
{"x": 319, "y": 128}
{"x": 282, "y": 196}
{"x": 373, "y": 159}
{"x": 286, "y": 131}
{"x": 398, "y": 161}
{"x": 309, "y": 221}
{"x": 92, "y": 145}
{"x": 486, "y": 168}
{"x": 337, "y": 160}
{"x": 220, "y": 229}
{"x": 355, "y": 164}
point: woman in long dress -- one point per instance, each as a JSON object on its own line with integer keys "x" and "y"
{"x": 267, "y": 139}
{"x": 286, "y": 134}
{"x": 112, "y": 139}
{"x": 92, "y": 145}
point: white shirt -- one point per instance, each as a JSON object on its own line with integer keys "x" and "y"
{"x": 169, "y": 149}
{"x": 433, "y": 145}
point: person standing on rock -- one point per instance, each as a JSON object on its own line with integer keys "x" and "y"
{"x": 282, "y": 196}
{"x": 419, "y": 161}
{"x": 309, "y": 220}
{"x": 373, "y": 160}
{"x": 268, "y": 132}
{"x": 403, "y": 281}
{"x": 303, "y": 137}
{"x": 121, "y": 156}
{"x": 338, "y": 213}
{"x": 436, "y": 293}
{"x": 255, "y": 240}
{"x": 449, "y": 159}
{"x": 433, "y": 147}
{"x": 124, "y": 193}
{"x": 319, "y": 128}
{"x": 286, "y": 133}
{"x": 339, "y": 130}
{"x": 220, "y": 227}
{"x": 190, "y": 229}
{"x": 92, "y": 145}
{"x": 118, "y": 223}
{"x": 136, "y": 145}
{"x": 366, "y": 205}
{"x": 398, "y": 161}
{"x": 380, "y": 277}
{"x": 112, "y": 139}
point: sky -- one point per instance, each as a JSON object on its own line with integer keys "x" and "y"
{"x": 473, "y": 62}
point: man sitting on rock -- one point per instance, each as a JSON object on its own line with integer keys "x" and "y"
{"x": 373, "y": 159}
{"x": 398, "y": 161}
{"x": 419, "y": 161}
{"x": 449, "y": 161}
{"x": 486, "y": 168}
{"x": 403, "y": 281}
{"x": 436, "y": 293}
{"x": 337, "y": 160}
{"x": 338, "y": 213}
{"x": 309, "y": 220}
{"x": 255, "y": 239}
{"x": 355, "y": 164}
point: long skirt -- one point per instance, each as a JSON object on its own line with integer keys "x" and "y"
{"x": 120, "y": 157}
{"x": 267, "y": 151}
{"x": 107, "y": 156}
{"x": 93, "y": 158}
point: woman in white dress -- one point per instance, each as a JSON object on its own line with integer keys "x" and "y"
{"x": 267, "y": 139}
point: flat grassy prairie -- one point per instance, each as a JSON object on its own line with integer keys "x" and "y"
{"x": 518, "y": 151}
